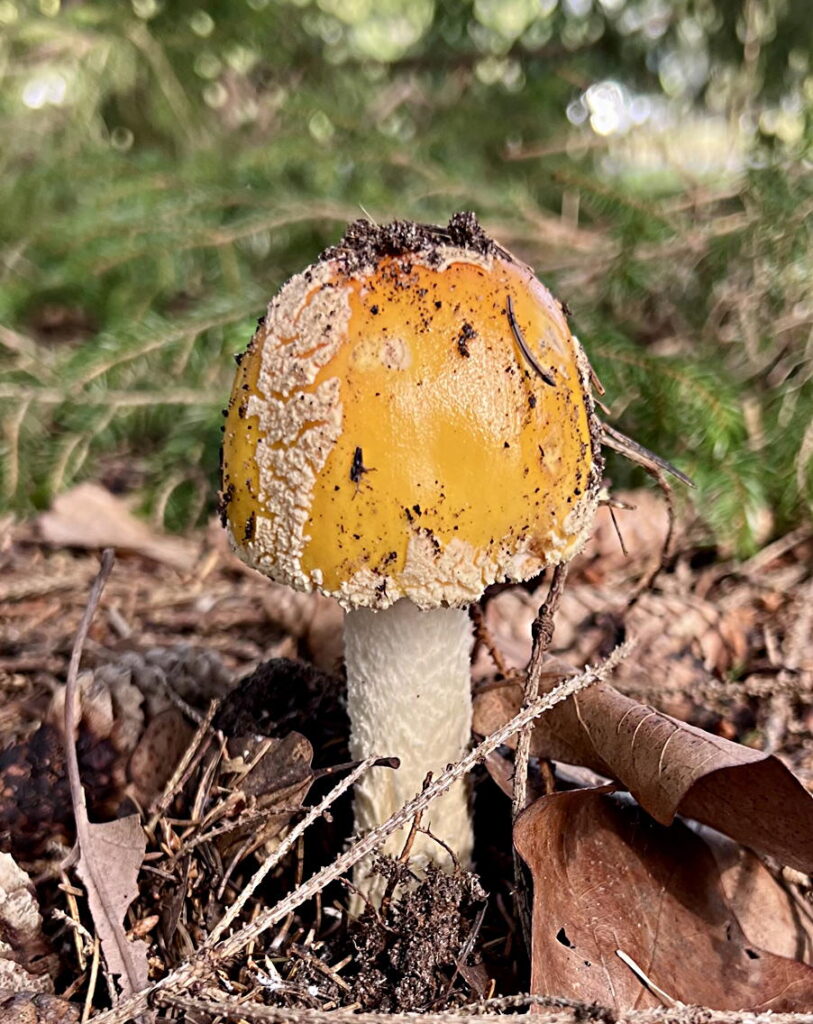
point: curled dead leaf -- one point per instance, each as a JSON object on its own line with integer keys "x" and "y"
{"x": 608, "y": 878}
{"x": 770, "y": 909}
{"x": 669, "y": 767}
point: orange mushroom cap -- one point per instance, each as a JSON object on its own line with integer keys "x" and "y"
{"x": 386, "y": 435}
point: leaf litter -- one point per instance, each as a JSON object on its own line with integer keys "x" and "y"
{"x": 215, "y": 622}
{"x": 609, "y": 880}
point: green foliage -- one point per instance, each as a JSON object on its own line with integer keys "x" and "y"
{"x": 166, "y": 167}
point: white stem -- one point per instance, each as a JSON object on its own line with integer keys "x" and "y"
{"x": 409, "y": 695}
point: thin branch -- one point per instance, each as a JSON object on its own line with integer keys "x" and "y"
{"x": 544, "y": 1011}
{"x": 84, "y": 841}
{"x": 72, "y": 693}
{"x": 542, "y": 637}
{"x": 646, "y": 583}
{"x": 283, "y": 849}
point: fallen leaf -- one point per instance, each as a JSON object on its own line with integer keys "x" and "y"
{"x": 277, "y": 781}
{"x": 34, "y": 1008}
{"x": 25, "y": 961}
{"x": 771, "y": 911}
{"x": 157, "y": 754}
{"x": 668, "y": 766}
{"x": 607, "y": 878}
{"x": 111, "y": 855}
{"x": 89, "y": 516}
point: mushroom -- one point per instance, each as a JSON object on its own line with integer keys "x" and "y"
{"x": 411, "y": 423}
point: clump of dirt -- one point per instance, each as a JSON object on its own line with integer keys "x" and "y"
{"x": 364, "y": 244}
{"x": 409, "y": 955}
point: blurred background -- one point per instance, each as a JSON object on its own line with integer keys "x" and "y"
{"x": 165, "y": 165}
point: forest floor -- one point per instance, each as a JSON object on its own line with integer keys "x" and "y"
{"x": 725, "y": 647}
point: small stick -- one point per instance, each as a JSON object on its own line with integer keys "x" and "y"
{"x": 94, "y": 974}
{"x": 482, "y": 635}
{"x": 405, "y": 852}
{"x": 647, "y": 581}
{"x": 645, "y": 980}
{"x": 73, "y": 907}
{"x": 523, "y": 344}
{"x": 618, "y": 534}
{"x": 637, "y": 453}
{"x": 346, "y": 766}
{"x": 282, "y": 850}
{"x": 72, "y": 690}
{"x": 542, "y": 631}
{"x": 78, "y": 800}
{"x": 319, "y": 965}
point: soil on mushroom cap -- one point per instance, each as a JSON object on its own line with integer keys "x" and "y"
{"x": 365, "y": 243}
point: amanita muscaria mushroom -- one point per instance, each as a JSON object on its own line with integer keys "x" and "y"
{"x": 411, "y": 423}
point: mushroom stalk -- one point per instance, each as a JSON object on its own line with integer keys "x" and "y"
{"x": 409, "y": 695}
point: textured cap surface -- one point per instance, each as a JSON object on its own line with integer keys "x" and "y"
{"x": 386, "y": 436}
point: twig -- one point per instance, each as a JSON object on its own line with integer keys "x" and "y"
{"x": 282, "y": 850}
{"x": 542, "y": 632}
{"x": 762, "y": 559}
{"x": 635, "y": 452}
{"x": 465, "y": 950}
{"x": 204, "y": 961}
{"x": 92, "y": 873}
{"x": 196, "y": 749}
{"x": 319, "y": 965}
{"x": 392, "y": 882}
{"x": 519, "y": 337}
{"x": 78, "y": 929}
{"x": 94, "y": 974}
{"x": 647, "y": 581}
{"x": 234, "y": 1009}
{"x": 482, "y": 635}
{"x": 243, "y": 820}
{"x": 645, "y": 980}
{"x": 79, "y": 932}
{"x": 72, "y": 694}
{"x": 545, "y": 1011}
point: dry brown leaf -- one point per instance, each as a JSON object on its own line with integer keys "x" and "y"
{"x": 34, "y": 1008}
{"x": 276, "y": 783}
{"x": 24, "y": 952}
{"x": 157, "y": 754}
{"x": 607, "y": 878}
{"x": 111, "y": 855}
{"x": 771, "y": 911}
{"x": 89, "y": 516}
{"x": 668, "y": 766}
